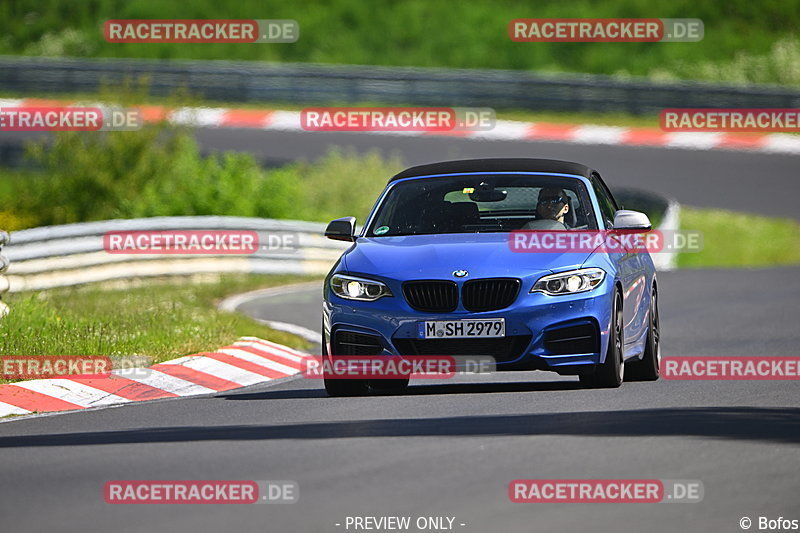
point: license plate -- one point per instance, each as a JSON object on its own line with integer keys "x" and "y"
{"x": 461, "y": 329}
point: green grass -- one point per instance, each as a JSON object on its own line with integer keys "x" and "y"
{"x": 147, "y": 322}
{"x": 581, "y": 117}
{"x": 732, "y": 239}
{"x": 745, "y": 41}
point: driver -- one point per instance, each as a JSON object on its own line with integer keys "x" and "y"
{"x": 551, "y": 206}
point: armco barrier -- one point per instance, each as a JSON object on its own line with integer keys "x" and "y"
{"x": 59, "y": 256}
{"x": 312, "y": 84}
{"x": 3, "y": 267}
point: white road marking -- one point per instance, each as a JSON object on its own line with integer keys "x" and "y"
{"x": 8, "y": 409}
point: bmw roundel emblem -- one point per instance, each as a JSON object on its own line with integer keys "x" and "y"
{"x": 460, "y": 273}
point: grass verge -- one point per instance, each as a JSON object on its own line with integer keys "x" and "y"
{"x": 732, "y": 239}
{"x": 157, "y": 321}
{"x": 745, "y": 41}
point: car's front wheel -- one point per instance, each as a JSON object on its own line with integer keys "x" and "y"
{"x": 389, "y": 385}
{"x": 610, "y": 373}
{"x": 648, "y": 369}
{"x": 339, "y": 387}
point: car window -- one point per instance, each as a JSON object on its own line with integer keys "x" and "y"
{"x": 479, "y": 203}
{"x": 602, "y": 183}
{"x": 607, "y": 205}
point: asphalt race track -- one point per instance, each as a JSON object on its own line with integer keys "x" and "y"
{"x": 450, "y": 448}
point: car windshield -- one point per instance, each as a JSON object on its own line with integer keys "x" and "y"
{"x": 482, "y": 203}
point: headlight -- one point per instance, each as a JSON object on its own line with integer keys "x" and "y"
{"x": 571, "y": 282}
{"x": 353, "y": 288}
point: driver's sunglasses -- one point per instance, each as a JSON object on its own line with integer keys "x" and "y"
{"x": 553, "y": 200}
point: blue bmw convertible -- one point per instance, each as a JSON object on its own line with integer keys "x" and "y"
{"x": 435, "y": 272}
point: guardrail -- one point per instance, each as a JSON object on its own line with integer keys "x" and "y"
{"x": 3, "y": 267}
{"x": 302, "y": 83}
{"x": 59, "y": 256}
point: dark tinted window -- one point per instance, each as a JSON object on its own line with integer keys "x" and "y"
{"x": 476, "y": 204}
{"x": 607, "y": 205}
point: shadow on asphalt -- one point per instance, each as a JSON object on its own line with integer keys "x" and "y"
{"x": 417, "y": 390}
{"x": 737, "y": 423}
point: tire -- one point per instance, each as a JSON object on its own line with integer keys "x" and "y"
{"x": 338, "y": 388}
{"x": 609, "y": 374}
{"x": 649, "y": 367}
{"x": 393, "y": 385}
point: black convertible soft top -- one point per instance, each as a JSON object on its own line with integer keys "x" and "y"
{"x": 520, "y": 164}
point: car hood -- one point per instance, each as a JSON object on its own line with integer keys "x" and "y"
{"x": 438, "y": 256}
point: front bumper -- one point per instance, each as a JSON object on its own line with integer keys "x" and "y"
{"x": 567, "y": 334}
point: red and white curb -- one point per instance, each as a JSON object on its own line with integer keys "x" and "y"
{"x": 504, "y": 130}
{"x": 248, "y": 361}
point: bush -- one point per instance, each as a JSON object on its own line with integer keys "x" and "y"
{"x": 156, "y": 171}
{"x": 11, "y": 222}
{"x": 159, "y": 171}
{"x": 342, "y": 184}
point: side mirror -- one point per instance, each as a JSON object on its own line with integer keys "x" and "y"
{"x": 342, "y": 229}
{"x": 631, "y": 220}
